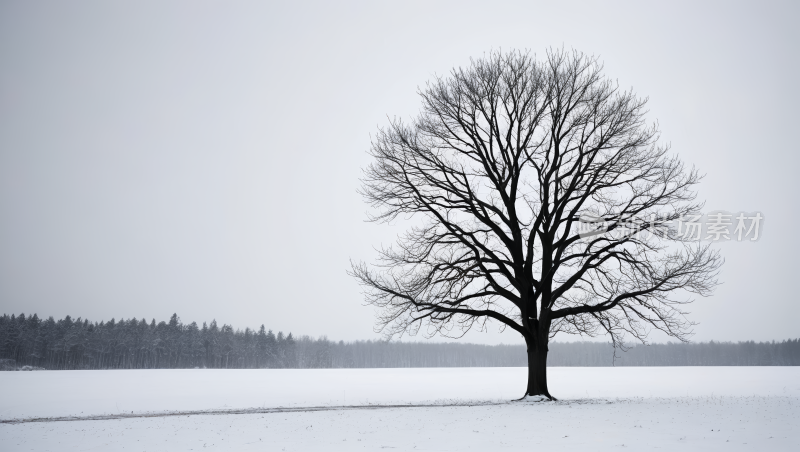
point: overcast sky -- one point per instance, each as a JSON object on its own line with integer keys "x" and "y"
{"x": 203, "y": 157}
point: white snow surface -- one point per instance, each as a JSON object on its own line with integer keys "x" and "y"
{"x": 686, "y": 408}
{"x": 69, "y": 393}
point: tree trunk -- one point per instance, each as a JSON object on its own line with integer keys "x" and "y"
{"x": 537, "y": 368}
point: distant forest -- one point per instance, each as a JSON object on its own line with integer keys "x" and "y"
{"x": 137, "y": 344}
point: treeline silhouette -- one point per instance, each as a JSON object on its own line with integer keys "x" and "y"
{"x": 322, "y": 353}
{"x": 138, "y": 344}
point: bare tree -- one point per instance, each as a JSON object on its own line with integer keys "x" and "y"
{"x": 502, "y": 161}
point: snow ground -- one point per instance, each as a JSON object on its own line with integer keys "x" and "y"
{"x": 691, "y": 408}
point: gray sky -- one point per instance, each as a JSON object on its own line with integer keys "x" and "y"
{"x": 202, "y": 157}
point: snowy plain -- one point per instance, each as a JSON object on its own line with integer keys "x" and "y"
{"x": 667, "y": 408}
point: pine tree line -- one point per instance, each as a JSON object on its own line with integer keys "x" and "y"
{"x": 137, "y": 344}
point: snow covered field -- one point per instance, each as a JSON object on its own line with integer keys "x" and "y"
{"x": 691, "y": 408}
